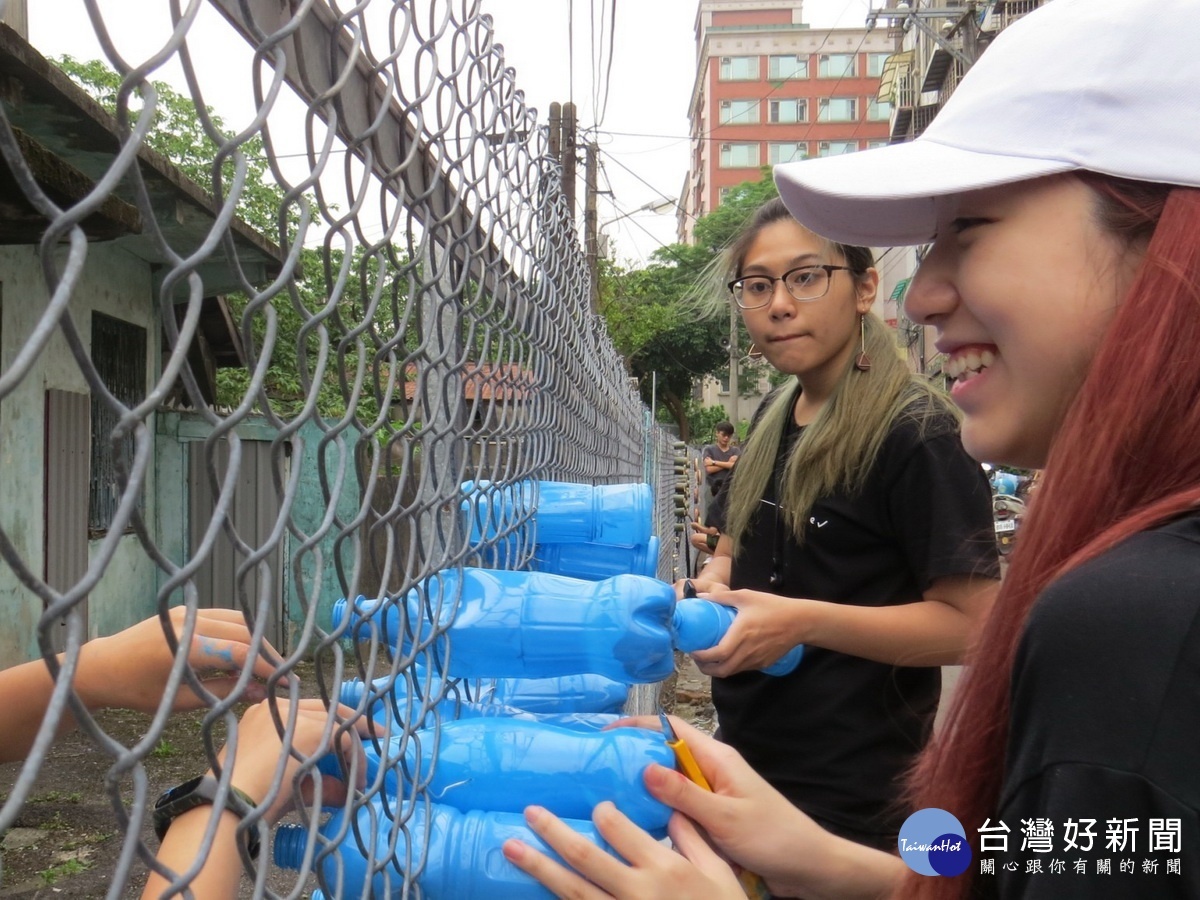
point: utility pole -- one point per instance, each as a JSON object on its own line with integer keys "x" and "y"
{"x": 568, "y": 156}
{"x": 556, "y": 130}
{"x": 734, "y": 359}
{"x": 589, "y": 223}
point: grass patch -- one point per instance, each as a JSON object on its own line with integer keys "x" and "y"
{"x": 86, "y": 840}
{"x": 164, "y": 750}
{"x": 57, "y": 797}
{"x": 64, "y": 870}
{"x": 55, "y": 823}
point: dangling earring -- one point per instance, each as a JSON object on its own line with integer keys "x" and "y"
{"x": 863, "y": 362}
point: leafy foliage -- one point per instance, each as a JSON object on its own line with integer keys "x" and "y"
{"x": 178, "y": 133}
{"x": 656, "y": 324}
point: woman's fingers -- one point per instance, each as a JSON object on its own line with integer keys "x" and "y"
{"x": 694, "y": 846}
{"x": 577, "y": 851}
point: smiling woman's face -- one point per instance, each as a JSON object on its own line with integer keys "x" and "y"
{"x": 1021, "y": 284}
{"x": 806, "y": 338}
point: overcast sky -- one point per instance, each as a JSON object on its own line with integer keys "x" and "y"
{"x": 643, "y": 131}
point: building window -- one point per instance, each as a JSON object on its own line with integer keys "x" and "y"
{"x": 739, "y": 156}
{"x": 879, "y": 110}
{"x": 739, "y": 112}
{"x": 782, "y": 68}
{"x": 788, "y": 111}
{"x": 875, "y": 145}
{"x": 836, "y": 148}
{"x": 119, "y": 355}
{"x": 836, "y": 65}
{"x": 791, "y": 151}
{"x": 739, "y": 68}
{"x": 837, "y": 109}
{"x": 875, "y": 63}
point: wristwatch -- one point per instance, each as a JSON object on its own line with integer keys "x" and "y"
{"x": 202, "y": 791}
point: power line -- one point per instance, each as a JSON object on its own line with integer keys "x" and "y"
{"x": 612, "y": 35}
{"x": 675, "y": 202}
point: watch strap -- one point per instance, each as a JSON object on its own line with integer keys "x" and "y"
{"x": 202, "y": 791}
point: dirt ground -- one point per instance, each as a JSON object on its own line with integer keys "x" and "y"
{"x": 66, "y": 841}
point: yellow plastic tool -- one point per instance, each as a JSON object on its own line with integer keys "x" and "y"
{"x": 753, "y": 885}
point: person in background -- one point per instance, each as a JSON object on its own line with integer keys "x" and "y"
{"x": 719, "y": 460}
{"x": 1060, "y": 188}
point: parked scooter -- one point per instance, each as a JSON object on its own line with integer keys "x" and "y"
{"x": 1007, "y": 512}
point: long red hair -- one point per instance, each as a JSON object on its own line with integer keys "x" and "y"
{"x": 1127, "y": 458}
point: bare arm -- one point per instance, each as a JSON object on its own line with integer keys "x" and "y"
{"x": 129, "y": 670}
{"x": 263, "y": 759}
{"x": 933, "y": 631}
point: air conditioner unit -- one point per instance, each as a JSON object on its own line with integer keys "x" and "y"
{"x": 726, "y": 148}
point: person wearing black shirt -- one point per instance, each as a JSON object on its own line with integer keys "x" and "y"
{"x": 856, "y": 525}
{"x": 719, "y": 460}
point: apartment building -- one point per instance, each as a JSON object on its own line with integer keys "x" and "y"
{"x": 770, "y": 89}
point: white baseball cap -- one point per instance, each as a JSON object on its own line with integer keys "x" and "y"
{"x": 1108, "y": 86}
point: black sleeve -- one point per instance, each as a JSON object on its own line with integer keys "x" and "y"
{"x": 940, "y": 507}
{"x": 1108, "y": 799}
{"x": 1103, "y": 722}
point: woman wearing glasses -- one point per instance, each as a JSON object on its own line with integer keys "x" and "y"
{"x": 856, "y": 526}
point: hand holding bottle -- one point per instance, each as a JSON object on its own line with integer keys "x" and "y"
{"x": 766, "y": 628}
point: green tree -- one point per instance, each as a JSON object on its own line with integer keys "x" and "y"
{"x": 666, "y": 345}
{"x": 665, "y": 334}
{"x": 178, "y": 133}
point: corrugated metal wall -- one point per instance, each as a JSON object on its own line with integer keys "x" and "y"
{"x": 68, "y": 458}
{"x": 253, "y": 514}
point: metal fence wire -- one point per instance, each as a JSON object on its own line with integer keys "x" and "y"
{"x": 365, "y": 295}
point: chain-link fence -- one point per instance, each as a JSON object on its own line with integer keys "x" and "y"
{"x": 268, "y": 381}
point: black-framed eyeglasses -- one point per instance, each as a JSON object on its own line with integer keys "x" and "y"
{"x": 803, "y": 283}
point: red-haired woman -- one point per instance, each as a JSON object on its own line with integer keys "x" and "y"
{"x": 1060, "y": 187}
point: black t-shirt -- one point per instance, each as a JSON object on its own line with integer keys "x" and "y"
{"x": 719, "y": 479}
{"x": 1105, "y": 725}
{"x": 837, "y": 734}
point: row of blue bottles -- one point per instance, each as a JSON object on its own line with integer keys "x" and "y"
{"x": 582, "y": 693}
{"x": 562, "y": 512}
{"x": 699, "y": 624}
{"x": 452, "y": 855}
{"x": 594, "y": 562}
{"x": 495, "y": 623}
{"x": 505, "y": 765}
{"x": 388, "y": 697}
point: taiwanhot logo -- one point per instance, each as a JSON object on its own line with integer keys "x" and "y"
{"x": 933, "y": 842}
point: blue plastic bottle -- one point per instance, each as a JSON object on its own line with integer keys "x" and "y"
{"x": 508, "y": 764}
{"x": 396, "y": 700}
{"x": 563, "y": 512}
{"x": 700, "y": 624}
{"x": 497, "y": 623}
{"x": 584, "y": 693}
{"x": 595, "y": 562}
{"x": 462, "y": 852}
